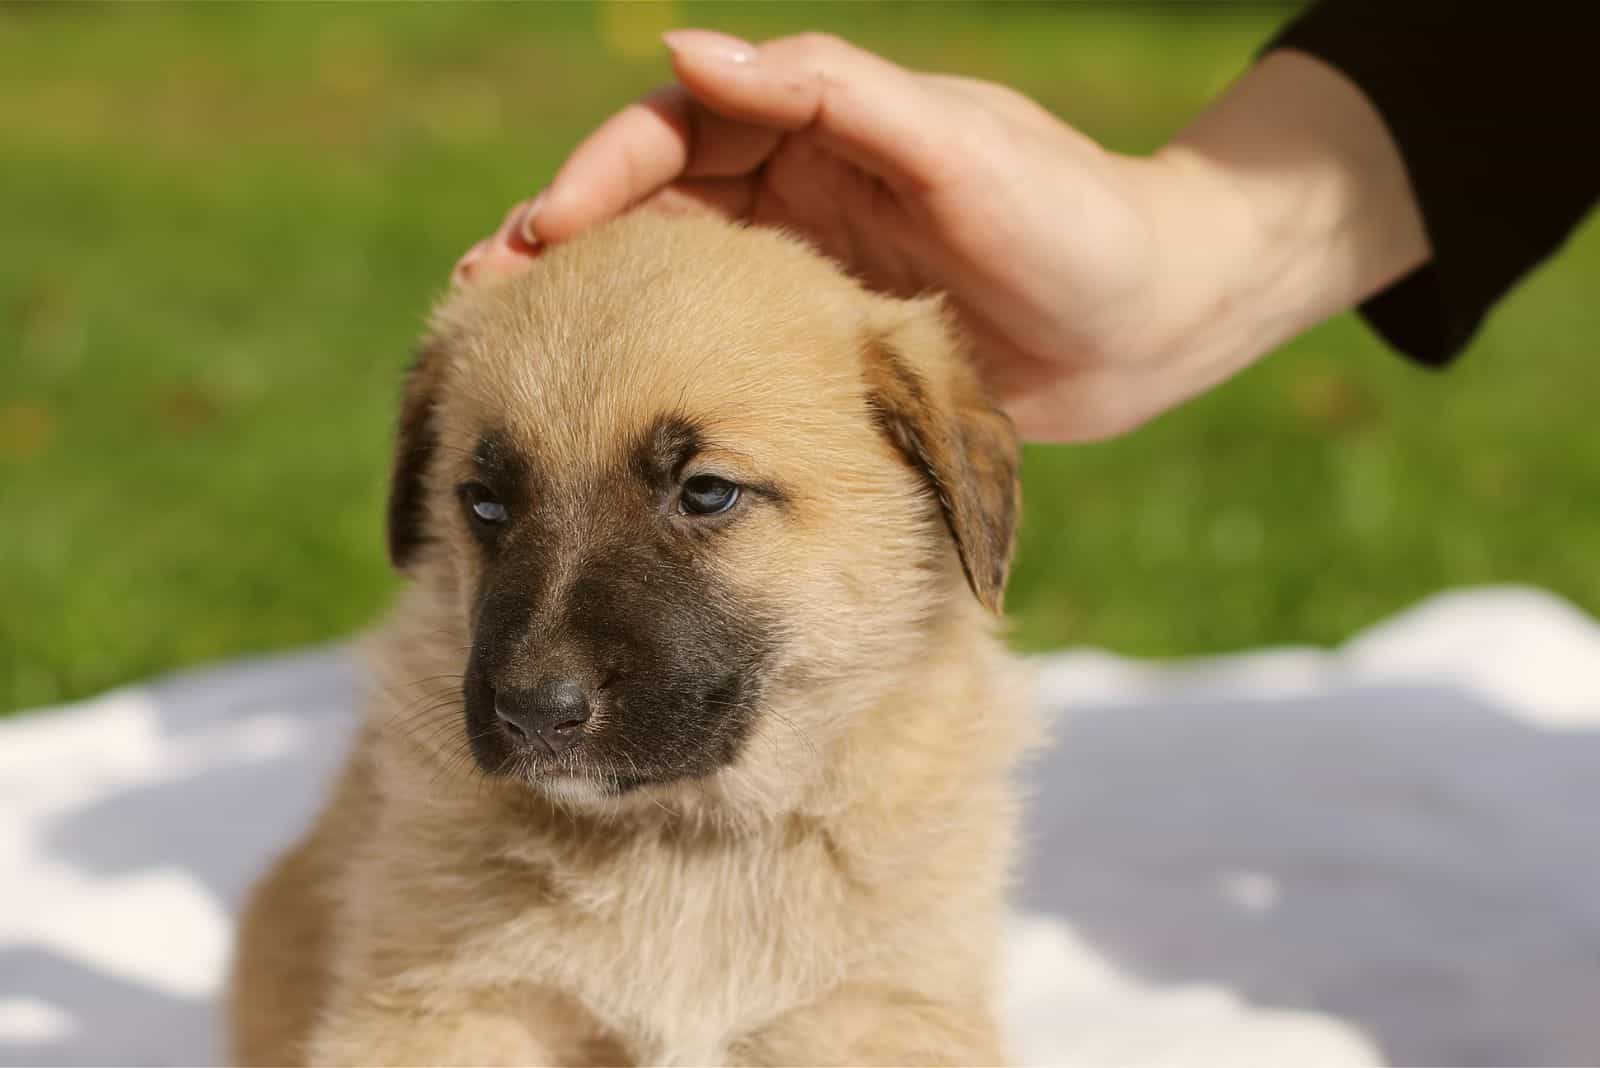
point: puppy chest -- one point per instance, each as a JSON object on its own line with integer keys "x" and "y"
{"x": 686, "y": 954}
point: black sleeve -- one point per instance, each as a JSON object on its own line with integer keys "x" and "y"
{"x": 1496, "y": 111}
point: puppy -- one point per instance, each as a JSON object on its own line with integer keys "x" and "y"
{"x": 693, "y": 735}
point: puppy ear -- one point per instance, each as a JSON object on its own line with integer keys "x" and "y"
{"x": 416, "y": 442}
{"x": 927, "y": 399}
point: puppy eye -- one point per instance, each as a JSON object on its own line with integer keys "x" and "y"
{"x": 481, "y": 502}
{"x": 708, "y": 495}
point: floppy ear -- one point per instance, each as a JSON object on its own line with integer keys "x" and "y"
{"x": 416, "y": 441}
{"x": 928, "y": 400}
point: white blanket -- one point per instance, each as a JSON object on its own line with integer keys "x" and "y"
{"x": 1389, "y": 853}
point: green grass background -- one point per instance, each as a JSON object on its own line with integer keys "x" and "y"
{"x": 221, "y": 227}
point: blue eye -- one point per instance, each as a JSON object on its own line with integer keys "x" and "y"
{"x": 481, "y": 501}
{"x": 708, "y": 495}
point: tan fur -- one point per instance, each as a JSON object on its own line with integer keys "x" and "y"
{"x": 831, "y": 898}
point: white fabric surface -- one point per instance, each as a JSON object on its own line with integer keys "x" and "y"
{"x": 1382, "y": 854}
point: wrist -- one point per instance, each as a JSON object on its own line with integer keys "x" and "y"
{"x": 1220, "y": 290}
{"x": 1284, "y": 203}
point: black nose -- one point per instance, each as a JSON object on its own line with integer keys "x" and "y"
{"x": 553, "y": 712}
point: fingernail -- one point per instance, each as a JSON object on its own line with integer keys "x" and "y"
{"x": 526, "y": 230}
{"x": 516, "y": 238}
{"x": 710, "y": 44}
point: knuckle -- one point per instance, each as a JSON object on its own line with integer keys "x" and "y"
{"x": 814, "y": 53}
{"x": 817, "y": 44}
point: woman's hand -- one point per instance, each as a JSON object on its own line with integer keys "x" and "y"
{"x": 1097, "y": 290}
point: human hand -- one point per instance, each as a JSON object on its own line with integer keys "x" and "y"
{"x": 1097, "y": 290}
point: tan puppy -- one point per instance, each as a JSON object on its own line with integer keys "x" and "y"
{"x": 694, "y": 736}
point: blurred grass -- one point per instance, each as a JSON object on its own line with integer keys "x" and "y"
{"x": 222, "y": 226}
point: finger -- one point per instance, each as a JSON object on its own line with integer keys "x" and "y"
{"x": 631, "y": 155}
{"x": 722, "y": 148}
{"x": 729, "y": 115}
{"x": 512, "y": 231}
{"x": 505, "y": 252}
{"x": 873, "y": 112}
{"x": 732, "y": 197}
{"x": 664, "y": 137}
{"x": 471, "y": 262}
{"x": 467, "y": 264}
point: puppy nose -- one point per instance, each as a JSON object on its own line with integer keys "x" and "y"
{"x": 552, "y": 712}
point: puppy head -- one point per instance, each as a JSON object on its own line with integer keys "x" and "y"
{"x": 683, "y": 481}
